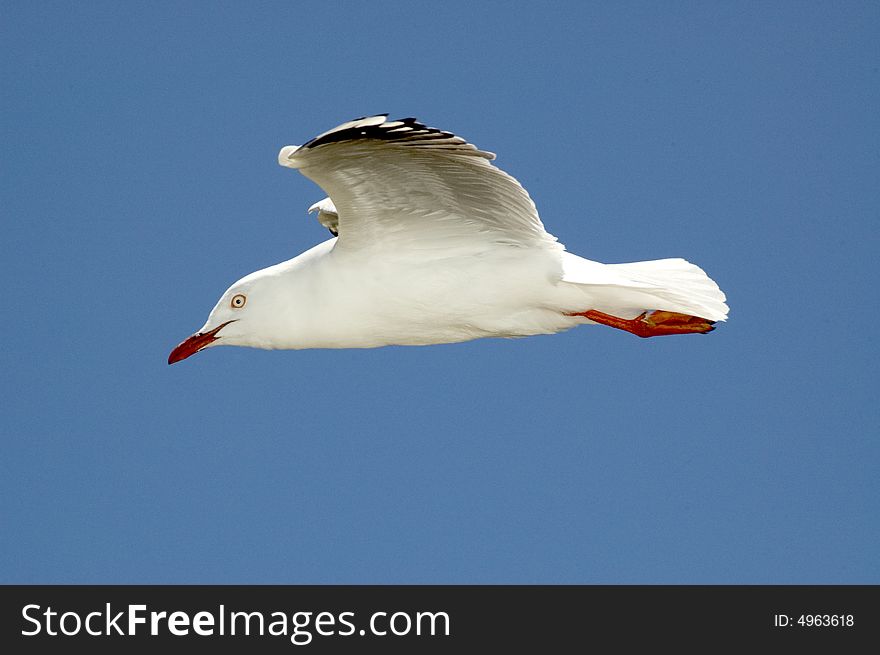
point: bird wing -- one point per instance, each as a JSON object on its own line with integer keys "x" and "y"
{"x": 327, "y": 215}
{"x": 402, "y": 185}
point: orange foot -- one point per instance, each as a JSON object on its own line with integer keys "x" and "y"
{"x": 652, "y": 324}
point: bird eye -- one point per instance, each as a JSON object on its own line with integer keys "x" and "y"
{"x": 238, "y": 301}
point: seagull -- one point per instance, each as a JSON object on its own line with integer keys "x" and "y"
{"x": 434, "y": 244}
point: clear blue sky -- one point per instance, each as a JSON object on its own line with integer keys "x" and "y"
{"x": 140, "y": 179}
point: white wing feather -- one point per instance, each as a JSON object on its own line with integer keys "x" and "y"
{"x": 402, "y": 185}
{"x": 327, "y": 215}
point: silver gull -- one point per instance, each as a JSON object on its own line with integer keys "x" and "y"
{"x": 433, "y": 244}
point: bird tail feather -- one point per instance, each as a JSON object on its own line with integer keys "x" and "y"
{"x": 626, "y": 290}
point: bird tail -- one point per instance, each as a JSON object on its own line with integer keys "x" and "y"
{"x": 627, "y": 290}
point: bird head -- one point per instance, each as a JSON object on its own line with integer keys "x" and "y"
{"x": 234, "y": 321}
{"x": 269, "y": 308}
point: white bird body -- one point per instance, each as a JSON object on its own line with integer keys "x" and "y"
{"x": 436, "y": 245}
{"x": 333, "y": 303}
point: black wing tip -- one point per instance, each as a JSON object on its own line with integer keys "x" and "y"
{"x": 409, "y": 131}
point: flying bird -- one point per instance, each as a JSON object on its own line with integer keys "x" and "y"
{"x": 432, "y": 244}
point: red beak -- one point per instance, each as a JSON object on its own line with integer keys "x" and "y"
{"x": 195, "y": 343}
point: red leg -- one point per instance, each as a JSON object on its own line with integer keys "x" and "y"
{"x": 652, "y": 324}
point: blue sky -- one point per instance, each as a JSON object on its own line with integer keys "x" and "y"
{"x": 140, "y": 180}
